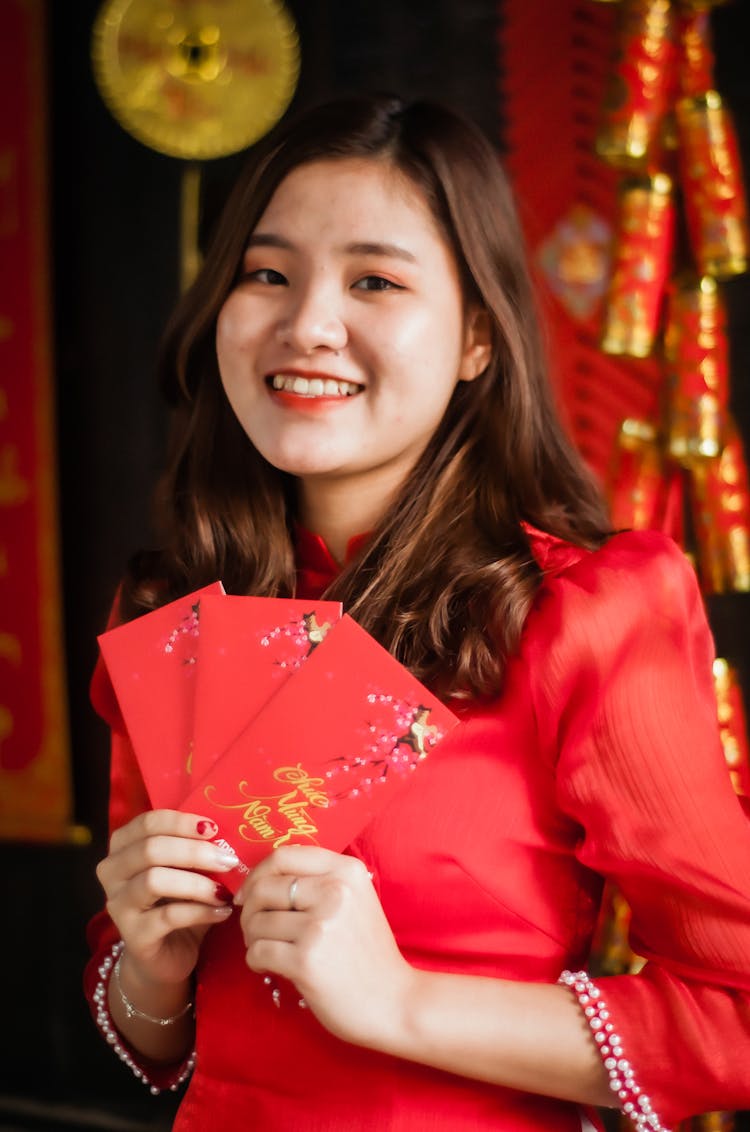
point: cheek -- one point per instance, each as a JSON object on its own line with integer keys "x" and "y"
{"x": 238, "y": 325}
{"x": 425, "y": 337}
{"x": 227, "y": 326}
{"x": 231, "y": 350}
{"x": 223, "y": 342}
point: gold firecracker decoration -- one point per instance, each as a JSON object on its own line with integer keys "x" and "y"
{"x": 685, "y": 473}
{"x": 697, "y": 369}
{"x": 733, "y": 725}
{"x": 696, "y": 51}
{"x": 721, "y": 510}
{"x": 645, "y": 487}
{"x": 636, "y": 477}
{"x": 612, "y": 954}
{"x": 674, "y": 135}
{"x": 715, "y": 206}
{"x": 640, "y": 265}
{"x": 709, "y": 1122}
{"x": 663, "y": 117}
{"x": 637, "y": 96}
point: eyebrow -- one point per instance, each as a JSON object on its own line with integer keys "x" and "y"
{"x": 360, "y": 247}
{"x": 391, "y": 250}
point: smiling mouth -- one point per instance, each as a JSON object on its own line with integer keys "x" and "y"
{"x": 312, "y": 386}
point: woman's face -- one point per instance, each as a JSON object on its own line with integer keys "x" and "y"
{"x": 341, "y": 344}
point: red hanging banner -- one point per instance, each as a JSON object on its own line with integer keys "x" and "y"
{"x": 35, "y": 795}
{"x": 555, "y": 63}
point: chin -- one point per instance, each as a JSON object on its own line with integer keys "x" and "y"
{"x": 301, "y": 466}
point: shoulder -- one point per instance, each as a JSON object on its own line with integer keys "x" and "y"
{"x": 592, "y": 601}
{"x": 620, "y": 632}
{"x": 630, "y": 560}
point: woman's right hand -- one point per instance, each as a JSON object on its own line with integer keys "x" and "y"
{"x": 159, "y": 894}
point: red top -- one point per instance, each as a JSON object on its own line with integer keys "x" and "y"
{"x": 601, "y": 759}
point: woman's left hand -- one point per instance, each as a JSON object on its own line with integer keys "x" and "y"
{"x": 312, "y": 916}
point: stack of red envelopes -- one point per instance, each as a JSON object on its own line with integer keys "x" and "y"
{"x": 281, "y": 720}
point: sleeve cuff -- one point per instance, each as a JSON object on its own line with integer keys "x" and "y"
{"x": 633, "y": 1102}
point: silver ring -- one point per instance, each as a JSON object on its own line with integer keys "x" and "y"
{"x": 292, "y": 894}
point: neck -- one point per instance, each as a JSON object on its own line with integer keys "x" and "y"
{"x": 338, "y": 511}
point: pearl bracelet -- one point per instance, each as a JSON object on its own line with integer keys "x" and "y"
{"x": 132, "y": 1011}
{"x": 635, "y": 1104}
{"x": 112, "y": 1034}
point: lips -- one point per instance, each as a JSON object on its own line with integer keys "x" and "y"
{"x": 312, "y": 386}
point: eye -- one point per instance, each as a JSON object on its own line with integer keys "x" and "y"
{"x": 265, "y": 275}
{"x": 377, "y": 283}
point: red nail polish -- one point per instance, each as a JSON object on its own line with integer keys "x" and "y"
{"x": 207, "y": 828}
{"x": 223, "y": 893}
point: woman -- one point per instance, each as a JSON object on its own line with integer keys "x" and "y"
{"x": 361, "y": 409}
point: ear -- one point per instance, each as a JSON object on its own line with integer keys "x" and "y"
{"x": 477, "y": 344}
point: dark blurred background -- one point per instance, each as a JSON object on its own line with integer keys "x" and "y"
{"x": 115, "y": 231}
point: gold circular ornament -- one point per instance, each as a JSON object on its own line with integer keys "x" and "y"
{"x": 196, "y": 79}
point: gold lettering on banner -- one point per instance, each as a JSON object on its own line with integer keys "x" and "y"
{"x": 298, "y": 777}
{"x": 13, "y": 487}
{"x": 280, "y": 818}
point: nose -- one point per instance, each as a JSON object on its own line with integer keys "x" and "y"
{"x": 313, "y": 321}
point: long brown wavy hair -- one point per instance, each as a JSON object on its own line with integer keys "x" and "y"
{"x": 447, "y": 578}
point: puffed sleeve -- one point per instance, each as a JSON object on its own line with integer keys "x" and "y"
{"x": 127, "y": 799}
{"x": 625, "y": 702}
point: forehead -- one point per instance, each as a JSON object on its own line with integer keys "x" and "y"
{"x": 366, "y": 195}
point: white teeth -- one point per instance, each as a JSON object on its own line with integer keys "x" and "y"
{"x": 314, "y": 386}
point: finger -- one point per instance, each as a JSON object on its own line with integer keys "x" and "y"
{"x": 148, "y": 930}
{"x": 162, "y": 850}
{"x": 279, "y": 893}
{"x": 132, "y": 907}
{"x": 153, "y": 823}
{"x": 299, "y": 861}
{"x": 157, "y": 885}
{"x": 277, "y": 956}
{"x": 303, "y": 860}
{"x": 284, "y": 927}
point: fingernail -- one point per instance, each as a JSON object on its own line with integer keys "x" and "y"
{"x": 225, "y": 859}
{"x": 207, "y": 828}
{"x": 222, "y": 893}
{"x": 223, "y": 911}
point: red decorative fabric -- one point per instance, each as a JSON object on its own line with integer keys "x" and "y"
{"x": 601, "y": 759}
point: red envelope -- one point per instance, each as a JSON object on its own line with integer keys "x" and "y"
{"x": 152, "y": 663}
{"x": 325, "y": 753}
{"x": 249, "y": 647}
